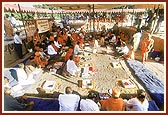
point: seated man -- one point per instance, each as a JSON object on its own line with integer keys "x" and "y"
{"x": 77, "y": 49}
{"x": 68, "y": 101}
{"x": 130, "y": 55}
{"x": 114, "y": 103}
{"x": 52, "y": 49}
{"x": 11, "y": 103}
{"x": 138, "y": 103}
{"x": 68, "y": 54}
{"x": 90, "y": 103}
{"x": 112, "y": 39}
{"x": 123, "y": 49}
{"x": 23, "y": 77}
{"x": 40, "y": 60}
{"x": 72, "y": 68}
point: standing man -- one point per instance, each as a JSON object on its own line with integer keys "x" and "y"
{"x": 68, "y": 101}
{"x": 136, "y": 39}
{"x": 116, "y": 29}
{"x": 18, "y": 45}
{"x": 13, "y": 21}
{"x": 146, "y": 46}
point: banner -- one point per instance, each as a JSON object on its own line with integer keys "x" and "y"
{"x": 42, "y": 25}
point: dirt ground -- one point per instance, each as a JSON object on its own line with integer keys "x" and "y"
{"x": 105, "y": 75}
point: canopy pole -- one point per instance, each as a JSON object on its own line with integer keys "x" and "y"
{"x": 90, "y": 23}
{"x": 93, "y": 20}
{"x": 22, "y": 20}
{"x": 132, "y": 20}
{"x": 122, "y": 16}
{"x": 153, "y": 29}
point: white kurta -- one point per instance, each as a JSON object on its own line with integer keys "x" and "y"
{"x": 88, "y": 105}
{"x": 71, "y": 67}
{"x": 136, "y": 40}
{"x": 77, "y": 49}
{"x": 51, "y": 50}
{"x": 68, "y": 102}
{"x": 135, "y": 105}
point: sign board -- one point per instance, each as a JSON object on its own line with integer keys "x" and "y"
{"x": 42, "y": 25}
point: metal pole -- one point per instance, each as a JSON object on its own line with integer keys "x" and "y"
{"x": 22, "y": 20}
{"x": 122, "y": 17}
{"x": 153, "y": 29}
{"x": 24, "y": 27}
{"x": 132, "y": 20}
{"x": 90, "y": 19}
{"x": 93, "y": 20}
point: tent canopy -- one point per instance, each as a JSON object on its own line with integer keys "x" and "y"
{"x": 105, "y": 6}
{"x": 85, "y": 6}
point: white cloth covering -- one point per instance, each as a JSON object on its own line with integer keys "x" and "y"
{"x": 24, "y": 81}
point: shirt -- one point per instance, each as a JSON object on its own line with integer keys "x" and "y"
{"x": 71, "y": 67}
{"x": 112, "y": 104}
{"x": 96, "y": 44}
{"x": 11, "y": 104}
{"x": 124, "y": 50}
{"x": 135, "y": 105}
{"x": 51, "y": 50}
{"x": 17, "y": 39}
{"x": 88, "y": 105}
{"x": 57, "y": 44}
{"x": 76, "y": 49}
{"x": 137, "y": 37}
{"x": 13, "y": 20}
{"x": 68, "y": 102}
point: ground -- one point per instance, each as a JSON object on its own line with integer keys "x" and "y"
{"x": 105, "y": 75}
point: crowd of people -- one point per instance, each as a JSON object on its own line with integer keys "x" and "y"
{"x": 71, "y": 42}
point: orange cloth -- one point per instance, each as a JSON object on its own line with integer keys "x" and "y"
{"x": 80, "y": 40}
{"x": 61, "y": 41}
{"x": 112, "y": 104}
{"x": 76, "y": 59}
{"x": 68, "y": 54}
{"x": 37, "y": 37}
{"x": 74, "y": 37}
{"x": 146, "y": 46}
{"x": 38, "y": 61}
{"x": 64, "y": 36}
{"x": 55, "y": 47}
